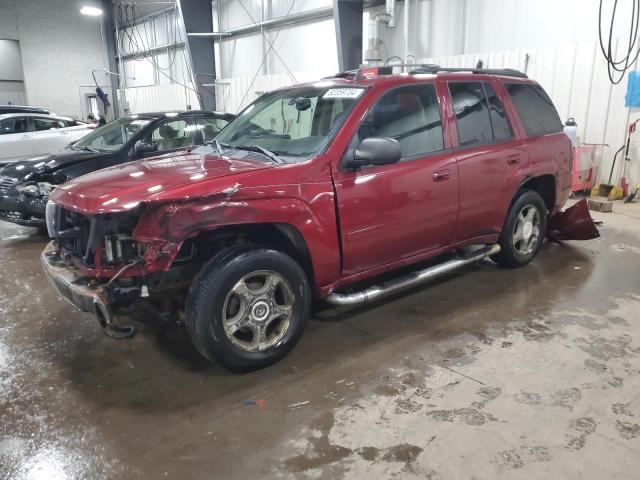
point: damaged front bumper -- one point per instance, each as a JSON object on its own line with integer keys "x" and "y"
{"x": 23, "y": 210}
{"x": 81, "y": 293}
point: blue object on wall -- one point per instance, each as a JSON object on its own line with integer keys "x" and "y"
{"x": 632, "y": 98}
{"x": 105, "y": 98}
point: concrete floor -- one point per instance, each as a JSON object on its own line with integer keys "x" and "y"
{"x": 490, "y": 373}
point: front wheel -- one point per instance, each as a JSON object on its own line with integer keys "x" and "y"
{"x": 248, "y": 307}
{"x": 523, "y": 231}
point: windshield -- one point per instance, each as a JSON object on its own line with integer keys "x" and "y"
{"x": 112, "y": 136}
{"x": 296, "y": 123}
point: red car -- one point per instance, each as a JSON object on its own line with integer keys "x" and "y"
{"x": 312, "y": 191}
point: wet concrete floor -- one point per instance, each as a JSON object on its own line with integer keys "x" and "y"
{"x": 488, "y": 373}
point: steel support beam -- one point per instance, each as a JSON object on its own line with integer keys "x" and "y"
{"x": 196, "y": 16}
{"x": 108, "y": 26}
{"x": 348, "y": 17}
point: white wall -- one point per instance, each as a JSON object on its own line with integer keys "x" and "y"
{"x": 238, "y": 92}
{"x": 161, "y": 98}
{"x": 59, "y": 49}
{"x": 438, "y": 27}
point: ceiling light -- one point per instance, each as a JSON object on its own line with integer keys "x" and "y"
{"x": 91, "y": 11}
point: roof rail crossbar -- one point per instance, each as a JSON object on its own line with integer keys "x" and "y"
{"x": 429, "y": 68}
{"x": 507, "y": 72}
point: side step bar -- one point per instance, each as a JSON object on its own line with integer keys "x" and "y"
{"x": 410, "y": 280}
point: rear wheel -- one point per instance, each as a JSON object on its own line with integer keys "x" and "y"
{"x": 248, "y": 307}
{"x": 523, "y": 232}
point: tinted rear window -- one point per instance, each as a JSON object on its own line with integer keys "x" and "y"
{"x": 536, "y": 111}
{"x": 499, "y": 121}
{"x": 472, "y": 113}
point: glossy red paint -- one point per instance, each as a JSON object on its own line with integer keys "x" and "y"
{"x": 356, "y": 224}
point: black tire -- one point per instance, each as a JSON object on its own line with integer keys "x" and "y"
{"x": 206, "y": 302}
{"x": 510, "y": 256}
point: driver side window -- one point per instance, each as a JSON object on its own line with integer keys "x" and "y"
{"x": 409, "y": 115}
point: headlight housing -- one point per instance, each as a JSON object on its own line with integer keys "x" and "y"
{"x": 50, "y": 215}
{"x": 37, "y": 190}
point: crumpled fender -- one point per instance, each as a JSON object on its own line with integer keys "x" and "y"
{"x": 574, "y": 223}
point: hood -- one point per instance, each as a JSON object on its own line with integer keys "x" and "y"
{"x": 167, "y": 178}
{"x": 28, "y": 168}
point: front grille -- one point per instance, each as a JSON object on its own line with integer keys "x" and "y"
{"x": 81, "y": 236}
{"x": 71, "y": 230}
{"x": 7, "y": 184}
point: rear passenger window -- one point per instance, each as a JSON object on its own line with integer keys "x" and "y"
{"x": 499, "y": 121}
{"x": 41, "y": 124}
{"x": 480, "y": 115}
{"x": 472, "y": 113}
{"x": 535, "y": 109}
{"x": 411, "y": 116}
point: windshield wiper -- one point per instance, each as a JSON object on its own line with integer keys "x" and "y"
{"x": 218, "y": 146}
{"x": 86, "y": 149}
{"x": 257, "y": 148}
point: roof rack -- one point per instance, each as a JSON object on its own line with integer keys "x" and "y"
{"x": 417, "y": 68}
{"x": 507, "y": 72}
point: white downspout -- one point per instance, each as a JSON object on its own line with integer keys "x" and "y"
{"x": 391, "y": 12}
{"x": 406, "y": 31}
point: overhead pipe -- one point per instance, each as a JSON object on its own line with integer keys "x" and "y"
{"x": 391, "y": 12}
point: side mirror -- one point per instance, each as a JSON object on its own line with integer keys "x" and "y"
{"x": 374, "y": 151}
{"x": 144, "y": 148}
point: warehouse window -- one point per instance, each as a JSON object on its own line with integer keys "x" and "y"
{"x": 472, "y": 113}
{"x": 409, "y": 115}
{"x": 535, "y": 109}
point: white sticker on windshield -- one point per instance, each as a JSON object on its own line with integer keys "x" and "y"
{"x": 343, "y": 93}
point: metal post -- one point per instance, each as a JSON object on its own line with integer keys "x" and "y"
{"x": 347, "y": 15}
{"x": 197, "y": 17}
{"x": 107, "y": 25}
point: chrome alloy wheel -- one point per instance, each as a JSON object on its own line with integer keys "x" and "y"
{"x": 526, "y": 230}
{"x": 258, "y": 310}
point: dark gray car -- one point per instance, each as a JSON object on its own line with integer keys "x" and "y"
{"x": 25, "y": 185}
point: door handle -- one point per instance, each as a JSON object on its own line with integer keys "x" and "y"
{"x": 441, "y": 175}
{"x": 512, "y": 159}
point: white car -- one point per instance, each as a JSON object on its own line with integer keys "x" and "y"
{"x": 27, "y": 134}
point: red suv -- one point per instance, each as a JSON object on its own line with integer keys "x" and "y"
{"x": 315, "y": 190}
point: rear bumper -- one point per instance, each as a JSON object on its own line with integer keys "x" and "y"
{"x": 73, "y": 287}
